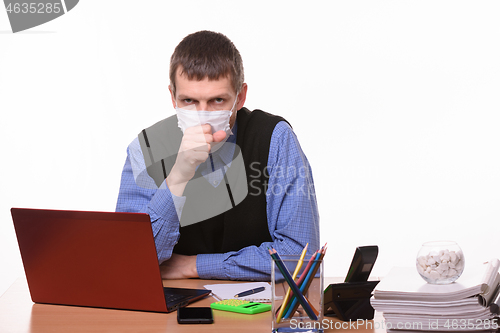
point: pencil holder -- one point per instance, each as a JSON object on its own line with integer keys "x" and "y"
{"x": 289, "y": 313}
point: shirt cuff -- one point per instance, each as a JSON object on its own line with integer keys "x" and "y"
{"x": 211, "y": 266}
{"x": 163, "y": 206}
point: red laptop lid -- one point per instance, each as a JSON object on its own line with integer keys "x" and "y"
{"x": 99, "y": 259}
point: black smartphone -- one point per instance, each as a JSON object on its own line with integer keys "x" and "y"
{"x": 192, "y": 315}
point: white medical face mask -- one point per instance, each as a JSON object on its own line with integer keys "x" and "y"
{"x": 219, "y": 120}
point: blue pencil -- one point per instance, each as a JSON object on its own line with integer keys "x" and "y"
{"x": 292, "y": 284}
{"x": 307, "y": 282}
{"x": 302, "y": 287}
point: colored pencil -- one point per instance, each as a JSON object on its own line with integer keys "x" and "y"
{"x": 295, "y": 273}
{"x": 302, "y": 277}
{"x": 292, "y": 284}
{"x": 307, "y": 281}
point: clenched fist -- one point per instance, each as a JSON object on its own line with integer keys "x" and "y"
{"x": 194, "y": 150}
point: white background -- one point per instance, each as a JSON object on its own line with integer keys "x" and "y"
{"x": 396, "y": 105}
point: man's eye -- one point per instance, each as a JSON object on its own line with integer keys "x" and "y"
{"x": 188, "y": 101}
{"x": 219, "y": 100}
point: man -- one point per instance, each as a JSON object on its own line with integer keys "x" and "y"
{"x": 220, "y": 183}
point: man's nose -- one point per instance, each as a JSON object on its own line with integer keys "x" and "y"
{"x": 202, "y": 106}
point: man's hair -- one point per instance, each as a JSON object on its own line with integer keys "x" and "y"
{"x": 207, "y": 54}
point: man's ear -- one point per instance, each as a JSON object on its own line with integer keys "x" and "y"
{"x": 242, "y": 96}
{"x": 172, "y": 95}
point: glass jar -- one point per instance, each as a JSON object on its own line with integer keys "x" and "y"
{"x": 440, "y": 262}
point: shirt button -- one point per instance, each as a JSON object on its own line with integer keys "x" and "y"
{"x": 215, "y": 182}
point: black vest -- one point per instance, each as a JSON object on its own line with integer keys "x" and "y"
{"x": 246, "y": 223}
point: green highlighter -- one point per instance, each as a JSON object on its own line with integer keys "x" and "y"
{"x": 241, "y": 306}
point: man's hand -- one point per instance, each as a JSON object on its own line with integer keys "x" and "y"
{"x": 194, "y": 149}
{"x": 179, "y": 267}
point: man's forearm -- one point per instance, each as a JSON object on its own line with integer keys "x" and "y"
{"x": 175, "y": 185}
{"x": 179, "y": 267}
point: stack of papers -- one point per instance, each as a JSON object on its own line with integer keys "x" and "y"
{"x": 409, "y": 304}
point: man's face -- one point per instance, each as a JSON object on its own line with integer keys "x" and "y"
{"x": 214, "y": 95}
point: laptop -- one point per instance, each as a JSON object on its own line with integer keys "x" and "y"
{"x": 95, "y": 259}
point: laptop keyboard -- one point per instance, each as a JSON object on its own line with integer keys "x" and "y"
{"x": 179, "y": 297}
{"x": 172, "y": 298}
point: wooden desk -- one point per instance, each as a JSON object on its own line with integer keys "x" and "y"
{"x": 20, "y": 315}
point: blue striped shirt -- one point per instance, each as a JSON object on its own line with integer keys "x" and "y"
{"x": 292, "y": 212}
